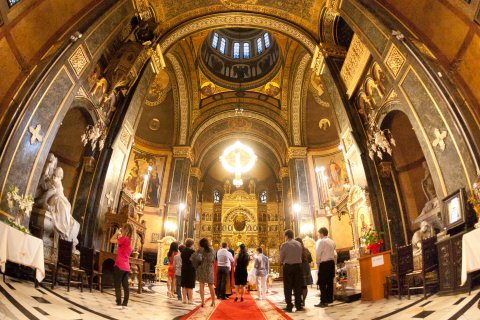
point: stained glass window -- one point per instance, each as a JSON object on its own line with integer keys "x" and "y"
{"x": 267, "y": 40}
{"x": 236, "y": 50}
{"x": 259, "y": 45}
{"x": 11, "y": 3}
{"x": 246, "y": 50}
{"x": 223, "y": 44}
{"x": 263, "y": 196}
{"x": 215, "y": 40}
{"x": 216, "y": 196}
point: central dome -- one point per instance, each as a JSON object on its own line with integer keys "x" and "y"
{"x": 243, "y": 56}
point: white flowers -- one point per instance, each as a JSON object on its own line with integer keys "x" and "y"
{"x": 94, "y": 134}
{"x": 24, "y": 202}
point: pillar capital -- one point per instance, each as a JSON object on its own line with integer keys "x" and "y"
{"x": 183, "y": 152}
{"x": 284, "y": 173}
{"x": 195, "y": 172}
{"x": 296, "y": 153}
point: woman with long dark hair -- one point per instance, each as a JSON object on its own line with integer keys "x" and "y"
{"x": 307, "y": 274}
{"x": 188, "y": 272}
{"x": 172, "y": 252}
{"x": 205, "y": 269}
{"x": 241, "y": 274}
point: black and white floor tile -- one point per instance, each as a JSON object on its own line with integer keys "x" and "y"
{"x": 20, "y": 300}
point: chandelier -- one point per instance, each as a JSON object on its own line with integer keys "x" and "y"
{"x": 238, "y": 158}
{"x": 380, "y": 141}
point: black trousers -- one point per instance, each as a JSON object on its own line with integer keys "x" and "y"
{"x": 222, "y": 274}
{"x": 293, "y": 279}
{"x": 326, "y": 273}
{"x": 121, "y": 279}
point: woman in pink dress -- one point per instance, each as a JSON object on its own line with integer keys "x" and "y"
{"x": 122, "y": 265}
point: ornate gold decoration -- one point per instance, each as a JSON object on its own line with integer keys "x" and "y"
{"x": 81, "y": 93}
{"x": 333, "y": 4}
{"x": 154, "y": 124}
{"x": 237, "y": 4}
{"x": 355, "y": 62}
{"x": 159, "y": 89}
{"x": 238, "y": 20}
{"x": 394, "y": 60}
{"x": 183, "y": 152}
{"x": 392, "y": 96}
{"x": 317, "y": 61}
{"x": 284, "y": 173}
{"x": 324, "y": 124}
{"x": 158, "y": 63}
{"x": 183, "y": 104}
{"x": 78, "y": 60}
{"x": 196, "y": 172}
{"x": 385, "y": 169}
{"x": 296, "y": 153}
{"x": 240, "y": 195}
{"x": 239, "y": 222}
{"x": 297, "y": 99}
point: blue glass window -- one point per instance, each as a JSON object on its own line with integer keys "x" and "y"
{"x": 11, "y": 3}
{"x": 246, "y": 50}
{"x": 236, "y": 50}
{"x": 216, "y": 196}
{"x": 223, "y": 44}
{"x": 263, "y": 196}
{"x": 215, "y": 40}
{"x": 267, "y": 40}
{"x": 259, "y": 45}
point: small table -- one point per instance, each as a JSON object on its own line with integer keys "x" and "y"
{"x": 470, "y": 254}
{"x": 104, "y": 255}
{"x": 19, "y": 247}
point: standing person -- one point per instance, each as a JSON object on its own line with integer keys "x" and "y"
{"x": 177, "y": 266}
{"x": 172, "y": 252}
{"x": 291, "y": 258}
{"x": 205, "y": 269}
{"x": 241, "y": 274}
{"x": 224, "y": 258}
{"x": 326, "y": 255}
{"x": 307, "y": 273}
{"x": 121, "y": 272}
{"x": 262, "y": 266}
{"x": 188, "y": 272}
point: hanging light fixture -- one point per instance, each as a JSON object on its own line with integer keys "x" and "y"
{"x": 380, "y": 141}
{"x": 238, "y": 158}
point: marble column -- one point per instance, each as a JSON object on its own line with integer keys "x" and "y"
{"x": 297, "y": 166}
{"x": 178, "y": 187}
{"x": 195, "y": 175}
{"x": 286, "y": 197}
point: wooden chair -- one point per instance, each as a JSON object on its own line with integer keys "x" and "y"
{"x": 404, "y": 265}
{"x": 429, "y": 272}
{"x": 87, "y": 264}
{"x": 147, "y": 274}
{"x": 64, "y": 261}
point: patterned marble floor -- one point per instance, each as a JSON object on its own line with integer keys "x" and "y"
{"x": 20, "y": 300}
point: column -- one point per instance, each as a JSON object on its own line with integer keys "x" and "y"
{"x": 297, "y": 166}
{"x": 195, "y": 176}
{"x": 286, "y": 197}
{"x": 177, "y": 196}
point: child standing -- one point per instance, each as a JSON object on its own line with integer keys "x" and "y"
{"x": 122, "y": 266}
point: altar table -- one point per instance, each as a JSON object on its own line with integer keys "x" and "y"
{"x": 470, "y": 253}
{"x": 19, "y": 247}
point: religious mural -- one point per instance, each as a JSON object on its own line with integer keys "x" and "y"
{"x": 140, "y": 180}
{"x": 331, "y": 177}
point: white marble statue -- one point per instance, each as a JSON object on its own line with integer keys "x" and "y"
{"x": 426, "y": 231}
{"x": 52, "y": 198}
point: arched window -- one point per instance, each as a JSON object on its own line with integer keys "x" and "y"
{"x": 236, "y": 50}
{"x": 216, "y": 197}
{"x": 246, "y": 50}
{"x": 223, "y": 44}
{"x": 215, "y": 40}
{"x": 263, "y": 196}
{"x": 259, "y": 45}
{"x": 267, "y": 40}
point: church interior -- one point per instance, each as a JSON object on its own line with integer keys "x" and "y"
{"x": 235, "y": 120}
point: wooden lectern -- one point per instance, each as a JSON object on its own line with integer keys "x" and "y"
{"x": 373, "y": 270}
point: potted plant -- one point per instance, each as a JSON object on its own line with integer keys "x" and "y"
{"x": 372, "y": 240}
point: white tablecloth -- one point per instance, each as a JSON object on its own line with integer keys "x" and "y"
{"x": 21, "y": 248}
{"x": 470, "y": 253}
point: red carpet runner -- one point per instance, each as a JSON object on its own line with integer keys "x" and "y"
{"x": 229, "y": 310}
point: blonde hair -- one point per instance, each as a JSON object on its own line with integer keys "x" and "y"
{"x": 128, "y": 229}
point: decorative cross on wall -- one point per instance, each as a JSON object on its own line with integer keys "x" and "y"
{"x": 35, "y": 134}
{"x": 439, "y": 138}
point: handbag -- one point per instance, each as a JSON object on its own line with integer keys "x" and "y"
{"x": 196, "y": 259}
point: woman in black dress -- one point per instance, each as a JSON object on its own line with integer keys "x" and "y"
{"x": 307, "y": 274}
{"x": 188, "y": 272}
{"x": 241, "y": 263}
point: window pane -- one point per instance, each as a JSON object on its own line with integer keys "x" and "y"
{"x": 263, "y": 196}
{"x": 11, "y": 3}
{"x": 246, "y": 50}
{"x": 223, "y": 43}
{"x": 236, "y": 50}
{"x": 215, "y": 40}
{"x": 267, "y": 40}
{"x": 259, "y": 45}
{"x": 216, "y": 197}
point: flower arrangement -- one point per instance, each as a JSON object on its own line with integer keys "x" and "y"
{"x": 371, "y": 238}
{"x": 24, "y": 203}
{"x": 95, "y": 134}
{"x": 11, "y": 222}
{"x": 273, "y": 274}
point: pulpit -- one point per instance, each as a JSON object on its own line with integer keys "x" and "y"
{"x": 373, "y": 271}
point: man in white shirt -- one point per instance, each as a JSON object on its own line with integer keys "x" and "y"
{"x": 261, "y": 265}
{"x": 326, "y": 257}
{"x": 224, "y": 260}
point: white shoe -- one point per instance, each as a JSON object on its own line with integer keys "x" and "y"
{"x": 117, "y": 306}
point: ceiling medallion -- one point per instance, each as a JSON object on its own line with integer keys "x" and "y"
{"x": 238, "y": 158}
{"x": 154, "y": 124}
